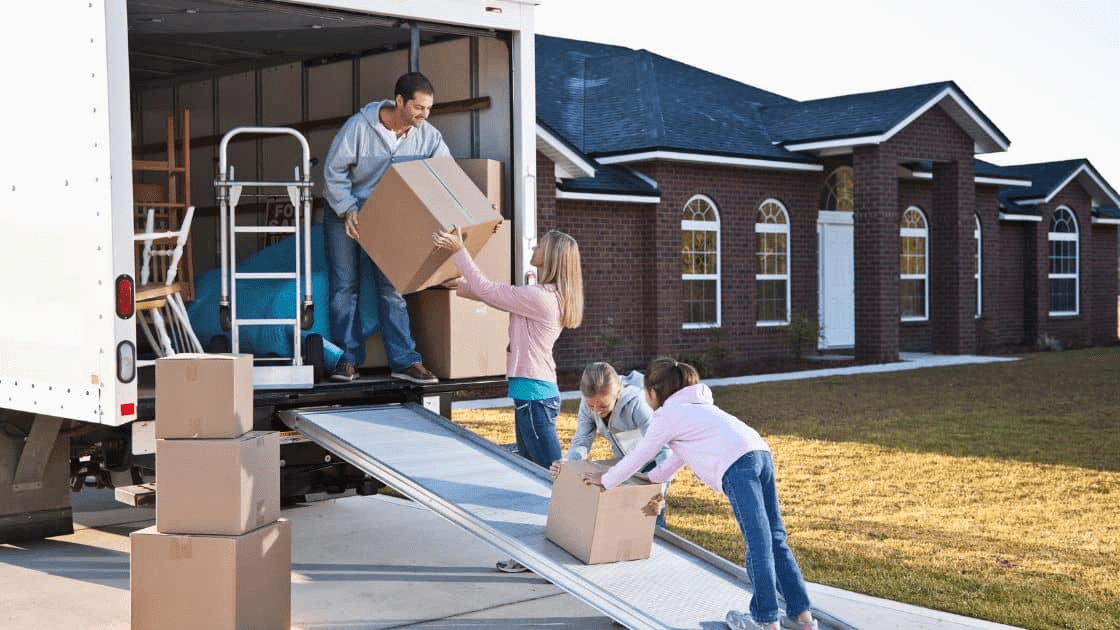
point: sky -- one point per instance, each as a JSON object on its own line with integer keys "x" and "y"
{"x": 1045, "y": 72}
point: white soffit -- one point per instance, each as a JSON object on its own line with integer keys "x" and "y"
{"x": 569, "y": 163}
{"x": 700, "y": 158}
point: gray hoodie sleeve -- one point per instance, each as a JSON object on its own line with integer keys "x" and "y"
{"x": 585, "y": 434}
{"x": 341, "y": 159}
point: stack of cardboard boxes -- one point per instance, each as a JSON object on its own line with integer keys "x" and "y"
{"x": 457, "y": 337}
{"x": 219, "y": 555}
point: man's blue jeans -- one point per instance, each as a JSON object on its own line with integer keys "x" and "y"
{"x": 345, "y": 260}
{"x": 750, "y": 487}
{"x": 535, "y": 429}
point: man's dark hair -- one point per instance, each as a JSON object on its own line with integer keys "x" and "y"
{"x": 409, "y": 84}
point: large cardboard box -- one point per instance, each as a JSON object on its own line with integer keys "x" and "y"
{"x": 204, "y": 395}
{"x": 218, "y": 486}
{"x": 186, "y": 582}
{"x": 597, "y": 525}
{"x": 412, "y": 201}
{"x": 456, "y": 336}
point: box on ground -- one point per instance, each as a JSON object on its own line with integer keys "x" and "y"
{"x": 412, "y": 201}
{"x": 204, "y": 395}
{"x": 218, "y": 486}
{"x": 597, "y": 525}
{"x": 215, "y": 582}
{"x": 456, "y": 336}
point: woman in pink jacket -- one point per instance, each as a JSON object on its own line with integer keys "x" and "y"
{"x": 731, "y": 458}
{"x": 538, "y": 312}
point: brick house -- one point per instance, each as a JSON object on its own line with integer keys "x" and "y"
{"x": 713, "y": 216}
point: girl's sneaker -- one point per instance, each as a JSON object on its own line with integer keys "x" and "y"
{"x": 742, "y": 621}
{"x": 794, "y": 624}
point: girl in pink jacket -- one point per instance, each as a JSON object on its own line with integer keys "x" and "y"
{"x": 731, "y": 458}
{"x": 538, "y": 312}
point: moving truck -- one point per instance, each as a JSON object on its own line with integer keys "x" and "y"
{"x": 100, "y": 89}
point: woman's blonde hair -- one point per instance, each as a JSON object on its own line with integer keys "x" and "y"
{"x": 666, "y": 376}
{"x": 599, "y": 378}
{"x": 561, "y": 266}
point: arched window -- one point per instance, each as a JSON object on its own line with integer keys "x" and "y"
{"x": 700, "y": 263}
{"x": 1064, "y": 263}
{"x": 978, "y": 271}
{"x": 771, "y": 237}
{"x": 839, "y": 191}
{"x": 913, "y": 296}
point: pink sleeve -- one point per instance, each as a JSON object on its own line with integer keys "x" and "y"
{"x": 645, "y": 450}
{"x": 524, "y": 301}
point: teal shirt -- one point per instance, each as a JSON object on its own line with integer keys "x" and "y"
{"x": 531, "y": 389}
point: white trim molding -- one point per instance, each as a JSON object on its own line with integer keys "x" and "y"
{"x": 700, "y": 158}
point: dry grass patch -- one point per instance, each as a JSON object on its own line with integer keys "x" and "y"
{"x": 982, "y": 492}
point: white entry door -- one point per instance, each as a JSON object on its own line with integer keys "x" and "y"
{"x": 836, "y": 277}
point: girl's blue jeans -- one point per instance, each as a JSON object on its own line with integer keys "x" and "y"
{"x": 535, "y": 428}
{"x": 750, "y": 487}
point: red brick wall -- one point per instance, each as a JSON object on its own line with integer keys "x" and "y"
{"x": 1103, "y": 277}
{"x": 632, "y": 267}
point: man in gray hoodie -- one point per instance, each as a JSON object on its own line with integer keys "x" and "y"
{"x": 382, "y": 133}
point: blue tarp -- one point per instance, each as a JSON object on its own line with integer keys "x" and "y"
{"x": 275, "y": 298}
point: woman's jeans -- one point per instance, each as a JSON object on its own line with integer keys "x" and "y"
{"x": 345, "y": 263}
{"x": 750, "y": 487}
{"x": 535, "y": 427}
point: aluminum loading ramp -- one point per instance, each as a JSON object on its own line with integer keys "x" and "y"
{"x": 503, "y": 498}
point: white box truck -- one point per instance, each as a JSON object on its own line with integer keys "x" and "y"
{"x": 93, "y": 83}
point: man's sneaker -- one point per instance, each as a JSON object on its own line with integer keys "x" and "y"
{"x": 416, "y": 373}
{"x": 344, "y": 372}
{"x": 742, "y": 621}
{"x": 794, "y": 624}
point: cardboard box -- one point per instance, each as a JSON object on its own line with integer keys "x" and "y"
{"x": 204, "y": 395}
{"x": 597, "y": 525}
{"x": 186, "y": 582}
{"x": 218, "y": 486}
{"x": 412, "y": 201}
{"x": 375, "y": 351}
{"x": 487, "y": 175}
{"x": 456, "y": 336}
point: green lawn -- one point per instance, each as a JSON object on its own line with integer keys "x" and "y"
{"x": 988, "y": 490}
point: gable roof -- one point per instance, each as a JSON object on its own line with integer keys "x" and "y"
{"x": 1048, "y": 179}
{"x": 841, "y": 122}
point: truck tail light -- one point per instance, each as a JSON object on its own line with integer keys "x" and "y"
{"x": 126, "y": 303}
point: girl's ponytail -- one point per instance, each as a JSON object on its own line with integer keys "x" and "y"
{"x": 666, "y": 376}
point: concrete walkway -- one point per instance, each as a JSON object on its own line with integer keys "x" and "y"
{"x": 909, "y": 361}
